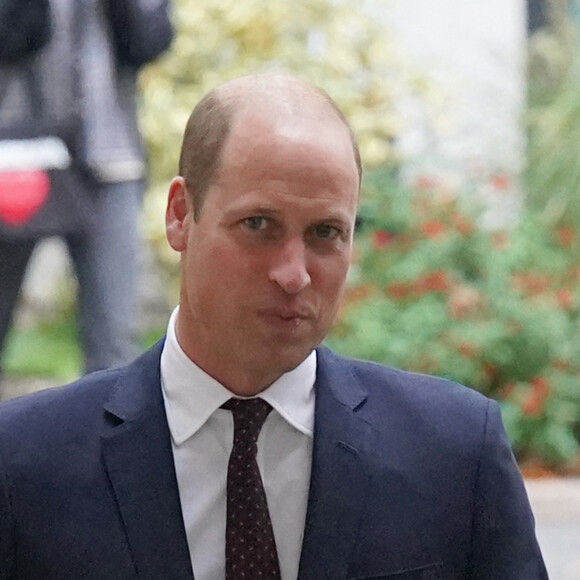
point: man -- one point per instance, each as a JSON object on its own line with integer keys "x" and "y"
{"x": 368, "y": 472}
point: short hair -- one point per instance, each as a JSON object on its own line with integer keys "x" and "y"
{"x": 203, "y": 141}
{"x": 209, "y": 126}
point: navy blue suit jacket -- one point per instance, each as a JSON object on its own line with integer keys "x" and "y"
{"x": 412, "y": 479}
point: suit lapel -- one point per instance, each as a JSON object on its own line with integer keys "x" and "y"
{"x": 139, "y": 462}
{"x": 340, "y": 474}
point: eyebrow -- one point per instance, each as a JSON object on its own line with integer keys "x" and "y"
{"x": 266, "y": 209}
{"x": 260, "y": 209}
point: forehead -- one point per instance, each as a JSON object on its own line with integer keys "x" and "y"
{"x": 274, "y": 164}
{"x": 267, "y": 134}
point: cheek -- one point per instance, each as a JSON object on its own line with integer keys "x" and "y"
{"x": 234, "y": 271}
{"x": 206, "y": 268}
{"x": 331, "y": 280}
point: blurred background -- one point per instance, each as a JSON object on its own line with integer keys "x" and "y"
{"x": 467, "y": 257}
{"x": 467, "y": 252}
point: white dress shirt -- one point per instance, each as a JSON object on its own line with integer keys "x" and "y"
{"x": 202, "y": 439}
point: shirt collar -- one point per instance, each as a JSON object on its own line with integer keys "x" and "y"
{"x": 191, "y": 395}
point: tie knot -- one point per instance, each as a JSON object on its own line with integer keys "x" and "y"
{"x": 249, "y": 416}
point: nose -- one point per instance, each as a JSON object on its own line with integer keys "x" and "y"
{"x": 289, "y": 267}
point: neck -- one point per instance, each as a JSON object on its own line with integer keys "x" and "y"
{"x": 242, "y": 380}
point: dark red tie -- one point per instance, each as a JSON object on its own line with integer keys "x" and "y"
{"x": 250, "y": 545}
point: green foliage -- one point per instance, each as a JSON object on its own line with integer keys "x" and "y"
{"x": 553, "y": 171}
{"x": 552, "y": 176}
{"x": 496, "y": 310}
{"x": 331, "y": 42}
{"x": 48, "y": 349}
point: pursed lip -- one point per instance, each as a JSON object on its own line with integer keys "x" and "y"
{"x": 283, "y": 313}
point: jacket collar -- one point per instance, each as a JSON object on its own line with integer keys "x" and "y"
{"x": 138, "y": 459}
{"x": 340, "y": 473}
{"x": 139, "y": 462}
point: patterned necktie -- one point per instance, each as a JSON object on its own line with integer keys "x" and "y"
{"x": 250, "y": 545}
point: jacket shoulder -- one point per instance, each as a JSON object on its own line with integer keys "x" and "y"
{"x": 57, "y": 405}
{"x": 383, "y": 381}
{"x": 431, "y": 408}
{"x": 82, "y": 404}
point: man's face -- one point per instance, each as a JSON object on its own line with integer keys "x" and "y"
{"x": 264, "y": 266}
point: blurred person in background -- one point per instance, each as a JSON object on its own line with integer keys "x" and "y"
{"x": 79, "y": 80}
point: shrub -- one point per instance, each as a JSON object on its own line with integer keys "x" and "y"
{"x": 432, "y": 292}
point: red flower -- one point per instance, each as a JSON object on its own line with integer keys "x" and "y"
{"x": 534, "y": 403}
{"x": 499, "y": 239}
{"x": 462, "y": 224}
{"x": 432, "y": 228}
{"x": 356, "y": 293}
{"x": 425, "y": 182}
{"x": 566, "y": 235}
{"x": 541, "y": 386}
{"x": 434, "y": 282}
{"x": 565, "y": 298}
{"x": 531, "y": 283}
{"x": 490, "y": 370}
{"x": 399, "y": 289}
{"x": 507, "y": 389}
{"x": 467, "y": 349}
{"x": 501, "y": 182}
{"x": 382, "y": 238}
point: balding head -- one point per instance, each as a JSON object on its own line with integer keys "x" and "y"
{"x": 269, "y": 95}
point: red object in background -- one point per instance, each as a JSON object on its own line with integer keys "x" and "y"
{"x": 565, "y": 298}
{"x": 426, "y": 182}
{"x": 566, "y": 235}
{"x": 399, "y": 289}
{"x": 432, "y": 228}
{"x": 433, "y": 282}
{"x": 382, "y": 238}
{"x": 534, "y": 402}
{"x": 22, "y": 194}
{"x": 501, "y": 182}
{"x": 463, "y": 224}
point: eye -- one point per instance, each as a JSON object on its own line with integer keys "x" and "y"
{"x": 326, "y": 232}
{"x": 256, "y": 222}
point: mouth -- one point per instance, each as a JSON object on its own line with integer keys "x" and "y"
{"x": 285, "y": 317}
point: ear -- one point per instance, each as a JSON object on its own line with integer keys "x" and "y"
{"x": 178, "y": 215}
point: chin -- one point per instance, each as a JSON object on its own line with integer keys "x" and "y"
{"x": 290, "y": 358}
